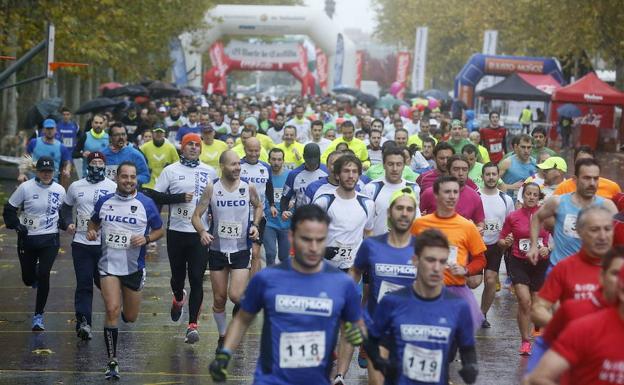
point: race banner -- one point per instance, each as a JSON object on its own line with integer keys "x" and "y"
{"x": 259, "y": 54}
{"x": 420, "y": 59}
{"x": 402, "y": 68}
{"x": 339, "y": 61}
{"x": 322, "y": 70}
{"x": 490, "y": 40}
{"x": 219, "y": 61}
{"x": 359, "y": 67}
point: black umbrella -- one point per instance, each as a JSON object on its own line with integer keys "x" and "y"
{"x": 43, "y": 109}
{"x": 160, "y": 89}
{"x": 186, "y": 92}
{"x": 367, "y": 99}
{"x": 98, "y": 104}
{"x": 436, "y": 94}
{"x": 346, "y": 90}
{"x": 129, "y": 90}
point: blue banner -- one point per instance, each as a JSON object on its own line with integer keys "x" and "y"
{"x": 176, "y": 53}
{"x": 339, "y": 63}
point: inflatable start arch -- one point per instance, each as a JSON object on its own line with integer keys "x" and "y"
{"x": 480, "y": 65}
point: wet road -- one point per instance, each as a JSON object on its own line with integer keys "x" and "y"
{"x": 152, "y": 351}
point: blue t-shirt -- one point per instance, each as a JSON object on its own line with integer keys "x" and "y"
{"x": 187, "y": 130}
{"x": 278, "y": 188}
{"x": 302, "y": 314}
{"x": 37, "y": 147}
{"x": 422, "y": 332}
{"x": 389, "y": 268}
{"x": 130, "y": 154}
{"x": 66, "y": 133}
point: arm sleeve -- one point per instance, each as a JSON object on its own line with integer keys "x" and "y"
{"x": 477, "y": 249}
{"x": 153, "y": 216}
{"x": 79, "y": 146}
{"x": 253, "y": 301}
{"x": 269, "y": 192}
{"x": 163, "y": 198}
{"x": 9, "y": 215}
{"x": 506, "y": 228}
{"x": 65, "y": 216}
{"x": 288, "y": 192}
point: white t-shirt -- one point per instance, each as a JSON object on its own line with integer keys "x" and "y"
{"x": 83, "y": 195}
{"x": 323, "y": 144}
{"x": 496, "y": 208}
{"x": 349, "y": 219}
{"x": 177, "y": 179}
{"x": 380, "y": 191}
{"x": 40, "y": 206}
{"x": 303, "y": 129}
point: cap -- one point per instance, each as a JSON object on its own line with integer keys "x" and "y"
{"x": 554, "y": 162}
{"x": 96, "y": 155}
{"x": 312, "y": 153}
{"x": 456, "y": 123}
{"x": 49, "y": 123}
{"x": 406, "y": 191}
{"x": 159, "y": 127}
{"x": 251, "y": 120}
{"x": 190, "y": 137}
{"x": 45, "y": 163}
{"x": 162, "y": 109}
{"x": 207, "y": 127}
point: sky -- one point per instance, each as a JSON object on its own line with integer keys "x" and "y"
{"x": 350, "y": 13}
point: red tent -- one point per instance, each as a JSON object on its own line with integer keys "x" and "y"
{"x": 597, "y": 101}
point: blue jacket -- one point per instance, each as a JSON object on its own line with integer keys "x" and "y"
{"x": 129, "y": 153}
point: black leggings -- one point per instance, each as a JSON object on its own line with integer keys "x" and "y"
{"x": 36, "y": 257}
{"x": 186, "y": 253}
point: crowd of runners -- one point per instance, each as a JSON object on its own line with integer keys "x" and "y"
{"x": 356, "y": 231}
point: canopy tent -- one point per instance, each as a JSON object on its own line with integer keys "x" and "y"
{"x": 514, "y": 87}
{"x": 544, "y": 83}
{"x": 589, "y": 90}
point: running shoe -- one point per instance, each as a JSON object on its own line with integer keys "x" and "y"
{"x": 112, "y": 370}
{"x": 177, "y": 307}
{"x": 486, "y": 324}
{"x": 220, "y": 344}
{"x": 37, "y": 323}
{"x": 338, "y": 380}
{"x": 84, "y": 331}
{"x": 192, "y": 335}
{"x": 525, "y": 348}
{"x": 362, "y": 358}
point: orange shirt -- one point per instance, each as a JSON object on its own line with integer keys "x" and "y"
{"x": 606, "y": 188}
{"x": 464, "y": 239}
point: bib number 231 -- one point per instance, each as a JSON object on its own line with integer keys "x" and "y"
{"x": 231, "y": 230}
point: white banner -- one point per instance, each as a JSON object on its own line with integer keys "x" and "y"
{"x": 490, "y": 40}
{"x": 420, "y": 59}
{"x": 279, "y": 53}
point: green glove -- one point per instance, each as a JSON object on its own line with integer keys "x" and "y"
{"x": 218, "y": 367}
{"x": 353, "y": 334}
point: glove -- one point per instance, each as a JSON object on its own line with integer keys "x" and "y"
{"x": 469, "y": 373}
{"x": 218, "y": 367}
{"x": 23, "y": 230}
{"x": 353, "y": 334}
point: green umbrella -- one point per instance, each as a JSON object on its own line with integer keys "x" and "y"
{"x": 388, "y": 101}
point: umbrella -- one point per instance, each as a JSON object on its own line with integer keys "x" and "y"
{"x": 341, "y": 89}
{"x": 569, "y": 110}
{"x": 109, "y": 86}
{"x": 98, "y": 104}
{"x": 43, "y": 109}
{"x": 367, "y": 99}
{"x": 186, "y": 92}
{"x": 436, "y": 94}
{"x": 345, "y": 98}
{"x": 129, "y": 90}
{"x": 160, "y": 89}
{"x": 388, "y": 101}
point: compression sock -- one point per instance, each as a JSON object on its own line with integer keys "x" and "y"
{"x": 110, "y": 340}
{"x": 220, "y": 320}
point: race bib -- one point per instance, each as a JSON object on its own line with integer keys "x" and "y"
{"x": 452, "y": 258}
{"x": 569, "y": 226}
{"x": 82, "y": 222}
{"x": 345, "y": 254}
{"x": 420, "y": 364}
{"x": 496, "y": 147}
{"x": 525, "y": 244}
{"x": 68, "y": 142}
{"x": 387, "y": 287}
{"x": 492, "y": 226}
{"x": 111, "y": 172}
{"x": 277, "y": 194}
{"x": 302, "y": 349}
{"x": 182, "y": 212}
{"x": 118, "y": 240}
{"x": 230, "y": 230}
{"x": 131, "y": 129}
{"x": 31, "y": 223}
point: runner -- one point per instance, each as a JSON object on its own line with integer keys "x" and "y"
{"x": 293, "y": 150}
{"x": 232, "y": 228}
{"x": 387, "y": 260}
{"x": 159, "y": 153}
{"x": 497, "y": 206}
{"x": 565, "y": 208}
{"x": 128, "y": 221}
{"x": 305, "y": 301}
{"x": 188, "y": 177}
{"x": 441, "y": 153}
{"x": 258, "y": 173}
{"x": 539, "y": 143}
{"x": 276, "y": 229}
{"x": 589, "y": 349}
{"x": 239, "y": 148}
{"x": 551, "y": 172}
{"x": 300, "y": 178}
{"x": 423, "y": 324}
{"x": 382, "y": 189}
{"x": 576, "y": 277}
{"x": 119, "y": 151}
{"x": 47, "y": 145}
{"x": 457, "y": 141}
{"x": 191, "y": 126}
{"x": 302, "y": 124}
{"x": 494, "y": 138}
{"x": 83, "y": 195}
{"x": 357, "y": 146}
{"x": 211, "y": 148}
{"x": 374, "y": 147}
{"x": 464, "y": 239}
{"x": 96, "y": 139}
{"x": 317, "y": 135}
{"x": 39, "y": 201}
{"x": 527, "y": 276}
{"x": 518, "y": 167}
{"x": 327, "y": 184}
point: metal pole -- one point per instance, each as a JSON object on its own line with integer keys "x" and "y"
{"x": 19, "y": 63}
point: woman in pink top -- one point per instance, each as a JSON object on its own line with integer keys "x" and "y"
{"x": 526, "y": 277}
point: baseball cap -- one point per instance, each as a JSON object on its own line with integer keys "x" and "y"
{"x": 45, "y": 163}
{"x": 251, "y": 120}
{"x": 554, "y": 162}
{"x": 312, "y": 154}
{"x": 456, "y": 123}
{"x": 49, "y": 123}
{"x": 159, "y": 127}
{"x": 406, "y": 191}
{"x": 190, "y": 137}
{"x": 162, "y": 109}
{"x": 96, "y": 155}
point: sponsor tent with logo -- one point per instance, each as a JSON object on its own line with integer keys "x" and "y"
{"x": 597, "y": 101}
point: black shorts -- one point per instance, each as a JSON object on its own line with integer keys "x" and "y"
{"x": 134, "y": 281}
{"x": 261, "y": 227}
{"x": 523, "y": 272}
{"x": 219, "y": 261}
{"x": 493, "y": 256}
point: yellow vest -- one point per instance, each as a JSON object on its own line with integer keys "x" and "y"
{"x": 355, "y": 145}
{"x": 158, "y": 158}
{"x": 290, "y": 159}
{"x": 210, "y": 153}
{"x": 265, "y": 141}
